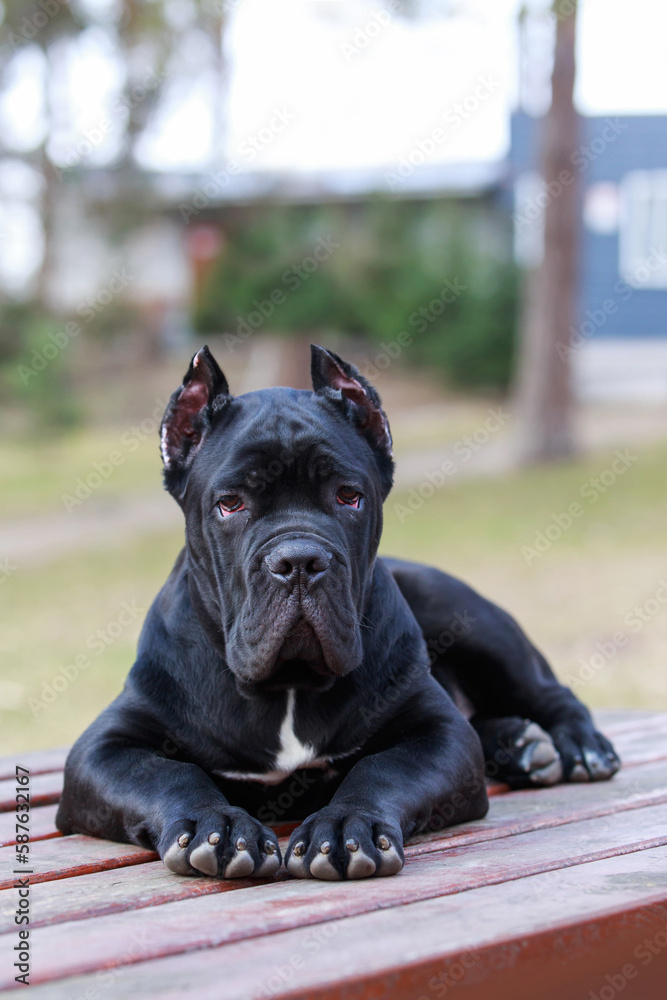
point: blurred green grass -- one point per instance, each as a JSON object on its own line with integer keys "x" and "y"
{"x": 575, "y": 595}
{"x": 35, "y": 474}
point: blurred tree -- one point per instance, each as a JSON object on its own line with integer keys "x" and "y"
{"x": 151, "y": 50}
{"x": 544, "y": 393}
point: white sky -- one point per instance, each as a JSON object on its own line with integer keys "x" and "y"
{"x": 369, "y": 108}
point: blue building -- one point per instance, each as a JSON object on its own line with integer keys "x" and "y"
{"x": 619, "y": 345}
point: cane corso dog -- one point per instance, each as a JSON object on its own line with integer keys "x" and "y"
{"x": 286, "y": 672}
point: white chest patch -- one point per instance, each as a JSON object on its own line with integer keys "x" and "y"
{"x": 292, "y": 754}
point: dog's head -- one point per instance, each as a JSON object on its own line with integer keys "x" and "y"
{"x": 282, "y": 492}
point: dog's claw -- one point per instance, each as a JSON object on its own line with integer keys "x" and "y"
{"x": 183, "y": 840}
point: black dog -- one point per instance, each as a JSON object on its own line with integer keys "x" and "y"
{"x": 284, "y": 670}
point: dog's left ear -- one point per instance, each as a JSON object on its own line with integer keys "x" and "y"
{"x": 189, "y": 416}
{"x": 331, "y": 373}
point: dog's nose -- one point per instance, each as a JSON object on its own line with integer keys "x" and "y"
{"x": 298, "y": 559}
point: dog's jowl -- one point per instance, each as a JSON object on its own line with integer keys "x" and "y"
{"x": 286, "y": 672}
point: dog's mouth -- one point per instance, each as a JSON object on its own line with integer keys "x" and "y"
{"x": 300, "y": 663}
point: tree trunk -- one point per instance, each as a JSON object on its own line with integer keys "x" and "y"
{"x": 544, "y": 392}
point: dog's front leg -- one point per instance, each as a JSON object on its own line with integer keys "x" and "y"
{"x": 131, "y": 793}
{"x": 426, "y": 756}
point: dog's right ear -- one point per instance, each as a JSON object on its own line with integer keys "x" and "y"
{"x": 189, "y": 416}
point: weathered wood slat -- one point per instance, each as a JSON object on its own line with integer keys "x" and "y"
{"x": 616, "y": 720}
{"x": 44, "y": 788}
{"x": 639, "y": 747}
{"x": 42, "y": 825}
{"x": 575, "y": 924}
{"x": 106, "y": 941}
{"x": 63, "y": 857}
{"x": 518, "y": 812}
{"x": 38, "y": 761}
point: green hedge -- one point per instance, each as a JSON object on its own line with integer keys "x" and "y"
{"x": 438, "y": 273}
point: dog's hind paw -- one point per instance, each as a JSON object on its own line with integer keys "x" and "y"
{"x": 587, "y": 755}
{"x": 230, "y": 844}
{"x": 519, "y": 752}
{"x": 336, "y": 844}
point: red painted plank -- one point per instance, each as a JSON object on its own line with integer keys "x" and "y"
{"x": 42, "y": 825}
{"x": 374, "y": 955}
{"x": 106, "y": 941}
{"x": 517, "y": 812}
{"x": 38, "y": 761}
{"x": 44, "y": 788}
{"x": 63, "y": 857}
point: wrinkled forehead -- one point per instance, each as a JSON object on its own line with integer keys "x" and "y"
{"x": 283, "y": 433}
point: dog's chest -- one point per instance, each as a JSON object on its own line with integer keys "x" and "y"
{"x": 292, "y": 753}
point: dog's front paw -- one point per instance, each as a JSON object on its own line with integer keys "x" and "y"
{"x": 341, "y": 842}
{"x": 586, "y": 754}
{"x": 225, "y": 843}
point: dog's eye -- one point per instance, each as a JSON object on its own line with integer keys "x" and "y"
{"x": 349, "y": 497}
{"x": 230, "y": 504}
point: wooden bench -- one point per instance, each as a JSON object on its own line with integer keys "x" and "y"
{"x": 558, "y": 893}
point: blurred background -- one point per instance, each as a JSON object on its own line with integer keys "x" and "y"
{"x": 467, "y": 198}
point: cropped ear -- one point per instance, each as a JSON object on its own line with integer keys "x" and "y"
{"x": 189, "y": 416}
{"x": 342, "y": 380}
